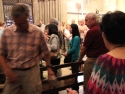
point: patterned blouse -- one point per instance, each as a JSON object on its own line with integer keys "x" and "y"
{"x": 108, "y": 76}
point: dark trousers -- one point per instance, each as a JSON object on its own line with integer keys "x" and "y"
{"x": 75, "y": 70}
{"x": 55, "y": 62}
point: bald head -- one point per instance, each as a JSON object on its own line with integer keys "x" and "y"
{"x": 92, "y": 15}
{"x": 91, "y": 19}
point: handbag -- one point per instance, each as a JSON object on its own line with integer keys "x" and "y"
{"x": 54, "y": 54}
{"x": 68, "y": 58}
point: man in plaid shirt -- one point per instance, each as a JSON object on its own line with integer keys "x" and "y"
{"x": 21, "y": 48}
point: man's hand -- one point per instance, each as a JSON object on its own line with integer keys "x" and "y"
{"x": 65, "y": 53}
{"x": 79, "y": 60}
{"x": 50, "y": 73}
{"x": 12, "y": 77}
{"x": 70, "y": 91}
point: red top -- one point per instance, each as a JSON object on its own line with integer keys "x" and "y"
{"x": 94, "y": 42}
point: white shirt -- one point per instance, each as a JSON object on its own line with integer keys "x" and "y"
{"x": 83, "y": 30}
{"x": 67, "y": 33}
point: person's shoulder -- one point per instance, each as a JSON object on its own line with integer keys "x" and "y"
{"x": 95, "y": 28}
{"x": 77, "y": 37}
{"x": 35, "y": 28}
{"x": 103, "y": 58}
{"x": 10, "y": 28}
{"x": 53, "y": 35}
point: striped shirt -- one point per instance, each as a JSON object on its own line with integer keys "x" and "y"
{"x": 23, "y": 50}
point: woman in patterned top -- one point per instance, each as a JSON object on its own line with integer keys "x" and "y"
{"x": 54, "y": 43}
{"x": 108, "y": 76}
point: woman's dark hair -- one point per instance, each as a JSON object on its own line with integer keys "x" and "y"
{"x": 52, "y": 28}
{"x": 113, "y": 26}
{"x": 75, "y": 30}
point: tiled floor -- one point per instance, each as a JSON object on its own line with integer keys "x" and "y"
{"x": 66, "y": 71}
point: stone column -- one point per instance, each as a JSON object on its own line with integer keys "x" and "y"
{"x": 48, "y": 11}
{"x": 53, "y": 8}
{"x": 35, "y": 11}
{"x": 46, "y": 14}
{"x": 1, "y": 11}
{"x": 63, "y": 11}
{"x": 42, "y": 11}
{"x": 57, "y": 9}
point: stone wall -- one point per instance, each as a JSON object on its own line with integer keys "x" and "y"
{"x": 66, "y": 10}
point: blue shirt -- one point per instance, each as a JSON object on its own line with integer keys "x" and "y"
{"x": 74, "y": 48}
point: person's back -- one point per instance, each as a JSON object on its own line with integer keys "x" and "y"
{"x": 108, "y": 76}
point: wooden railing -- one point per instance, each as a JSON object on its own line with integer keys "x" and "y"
{"x": 61, "y": 83}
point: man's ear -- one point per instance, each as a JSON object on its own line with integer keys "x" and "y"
{"x": 104, "y": 36}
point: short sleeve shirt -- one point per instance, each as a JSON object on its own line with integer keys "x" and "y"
{"x": 23, "y": 50}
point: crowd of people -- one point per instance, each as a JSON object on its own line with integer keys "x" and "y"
{"x": 23, "y": 45}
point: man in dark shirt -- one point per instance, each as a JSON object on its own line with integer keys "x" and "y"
{"x": 93, "y": 45}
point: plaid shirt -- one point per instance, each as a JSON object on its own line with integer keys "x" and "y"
{"x": 23, "y": 50}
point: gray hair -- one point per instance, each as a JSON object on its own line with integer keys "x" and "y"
{"x": 20, "y": 9}
{"x": 54, "y": 21}
{"x": 92, "y": 15}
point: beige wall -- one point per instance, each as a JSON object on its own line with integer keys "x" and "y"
{"x": 120, "y": 5}
{"x": 90, "y": 6}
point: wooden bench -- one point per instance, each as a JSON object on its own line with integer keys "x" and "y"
{"x": 63, "y": 81}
